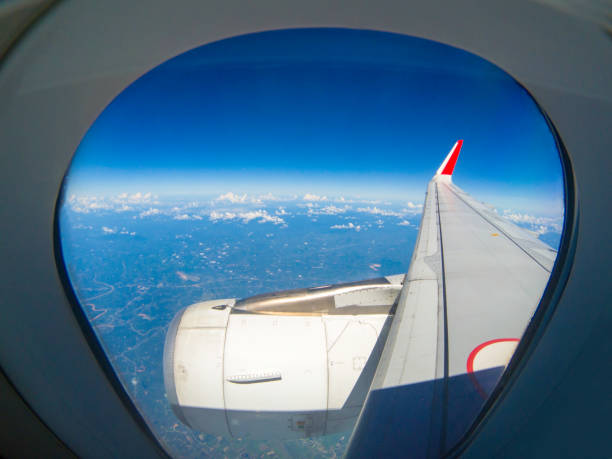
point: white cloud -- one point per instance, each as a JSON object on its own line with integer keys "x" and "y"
{"x": 261, "y": 216}
{"x": 523, "y": 218}
{"x": 536, "y": 225}
{"x": 405, "y": 223}
{"x": 350, "y": 225}
{"x": 412, "y": 205}
{"x": 329, "y": 210}
{"x": 541, "y": 229}
{"x": 120, "y": 203}
{"x": 138, "y": 197}
{"x": 376, "y": 211}
{"x": 281, "y": 211}
{"x": 313, "y": 197}
{"x": 233, "y": 198}
{"x": 540, "y": 225}
{"x": 135, "y": 198}
{"x": 86, "y": 204}
{"x": 214, "y": 215}
{"x": 99, "y": 205}
{"x": 108, "y": 230}
{"x": 269, "y": 197}
{"x": 182, "y": 207}
{"x": 187, "y": 217}
{"x": 150, "y": 212}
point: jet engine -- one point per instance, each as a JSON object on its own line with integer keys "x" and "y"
{"x": 290, "y": 364}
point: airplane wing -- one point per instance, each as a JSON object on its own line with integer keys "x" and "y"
{"x": 425, "y": 349}
{"x": 474, "y": 282}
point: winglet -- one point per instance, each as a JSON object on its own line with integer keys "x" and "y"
{"x": 447, "y": 167}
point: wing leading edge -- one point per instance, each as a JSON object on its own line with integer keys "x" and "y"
{"x": 474, "y": 282}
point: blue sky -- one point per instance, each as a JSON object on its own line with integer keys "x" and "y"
{"x": 328, "y": 111}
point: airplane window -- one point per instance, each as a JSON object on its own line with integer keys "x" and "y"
{"x": 268, "y": 232}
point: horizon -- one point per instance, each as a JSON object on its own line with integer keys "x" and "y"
{"x": 326, "y": 111}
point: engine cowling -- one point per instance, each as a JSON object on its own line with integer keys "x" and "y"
{"x": 268, "y": 367}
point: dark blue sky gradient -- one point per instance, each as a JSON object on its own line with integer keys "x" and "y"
{"x": 331, "y": 111}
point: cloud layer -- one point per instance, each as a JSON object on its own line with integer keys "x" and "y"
{"x": 244, "y": 208}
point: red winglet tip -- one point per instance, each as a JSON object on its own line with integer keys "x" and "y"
{"x": 452, "y": 159}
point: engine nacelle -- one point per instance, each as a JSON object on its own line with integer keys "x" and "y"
{"x": 287, "y": 365}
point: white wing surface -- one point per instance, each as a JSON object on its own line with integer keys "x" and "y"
{"x": 473, "y": 285}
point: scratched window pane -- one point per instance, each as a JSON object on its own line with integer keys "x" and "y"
{"x": 262, "y": 229}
